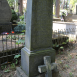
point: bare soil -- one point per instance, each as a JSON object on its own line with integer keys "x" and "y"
{"x": 66, "y": 63}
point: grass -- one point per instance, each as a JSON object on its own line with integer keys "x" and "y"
{"x": 71, "y": 74}
{"x": 59, "y": 61}
{"x": 76, "y": 57}
{"x": 73, "y": 70}
{"x": 69, "y": 56}
{"x": 60, "y": 53}
{"x": 7, "y": 70}
{"x": 3, "y": 66}
{"x": 0, "y": 75}
{"x": 66, "y": 66}
{"x": 11, "y": 75}
{"x": 59, "y": 75}
{"x": 13, "y": 65}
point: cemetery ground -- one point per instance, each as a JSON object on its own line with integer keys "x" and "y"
{"x": 65, "y": 58}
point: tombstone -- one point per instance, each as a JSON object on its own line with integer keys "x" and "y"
{"x": 68, "y": 18}
{"x": 5, "y": 15}
{"x": 38, "y": 41}
{"x": 5, "y": 12}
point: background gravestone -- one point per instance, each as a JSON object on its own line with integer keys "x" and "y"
{"x": 5, "y": 12}
{"x": 5, "y": 16}
{"x": 68, "y": 18}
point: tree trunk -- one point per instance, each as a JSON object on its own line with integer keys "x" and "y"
{"x": 57, "y": 9}
{"x": 20, "y": 6}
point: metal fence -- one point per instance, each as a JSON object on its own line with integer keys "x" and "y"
{"x": 61, "y": 36}
{"x": 11, "y": 44}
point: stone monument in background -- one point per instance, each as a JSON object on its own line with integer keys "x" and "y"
{"x": 68, "y": 18}
{"x": 5, "y": 15}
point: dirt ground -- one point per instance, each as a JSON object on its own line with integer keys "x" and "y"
{"x": 66, "y": 62}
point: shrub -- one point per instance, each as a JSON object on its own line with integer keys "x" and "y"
{"x": 21, "y": 17}
{"x": 14, "y": 15}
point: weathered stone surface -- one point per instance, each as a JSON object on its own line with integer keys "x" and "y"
{"x": 5, "y": 12}
{"x": 31, "y": 61}
{"x": 21, "y": 73}
{"x": 5, "y": 27}
{"x": 39, "y": 24}
{"x": 68, "y": 18}
{"x": 48, "y": 67}
{"x": 38, "y": 36}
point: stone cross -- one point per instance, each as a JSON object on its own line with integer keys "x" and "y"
{"x": 48, "y": 67}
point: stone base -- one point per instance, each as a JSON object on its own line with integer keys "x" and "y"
{"x": 21, "y": 73}
{"x": 5, "y": 27}
{"x": 6, "y": 23}
{"x": 30, "y": 60}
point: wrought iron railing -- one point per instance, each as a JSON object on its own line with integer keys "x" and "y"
{"x": 11, "y": 44}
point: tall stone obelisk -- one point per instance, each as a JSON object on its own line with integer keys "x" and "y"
{"x": 38, "y": 39}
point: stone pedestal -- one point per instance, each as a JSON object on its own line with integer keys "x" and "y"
{"x": 31, "y": 60}
{"x": 5, "y": 27}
